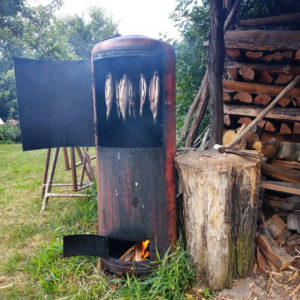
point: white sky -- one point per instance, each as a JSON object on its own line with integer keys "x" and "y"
{"x": 143, "y": 17}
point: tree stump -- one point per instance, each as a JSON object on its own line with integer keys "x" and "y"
{"x": 220, "y": 195}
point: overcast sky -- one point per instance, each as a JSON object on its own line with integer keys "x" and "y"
{"x": 143, "y": 17}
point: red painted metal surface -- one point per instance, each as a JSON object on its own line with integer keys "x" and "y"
{"x": 136, "y": 184}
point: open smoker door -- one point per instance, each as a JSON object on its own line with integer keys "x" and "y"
{"x": 55, "y": 103}
{"x": 85, "y": 244}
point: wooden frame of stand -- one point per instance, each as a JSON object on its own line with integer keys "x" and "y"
{"x": 85, "y": 161}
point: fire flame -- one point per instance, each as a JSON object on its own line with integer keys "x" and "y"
{"x": 138, "y": 252}
{"x": 145, "y": 252}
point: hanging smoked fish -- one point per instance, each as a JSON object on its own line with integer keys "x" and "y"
{"x": 124, "y": 87}
{"x": 131, "y": 107}
{"x": 143, "y": 92}
{"x": 109, "y": 94}
{"x": 117, "y": 98}
{"x": 154, "y": 94}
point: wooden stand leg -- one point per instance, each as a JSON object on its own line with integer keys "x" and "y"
{"x": 82, "y": 172}
{"x": 83, "y": 158}
{"x": 46, "y": 171}
{"x": 67, "y": 165}
{"x": 89, "y": 163}
{"x": 73, "y": 167}
{"x": 50, "y": 178}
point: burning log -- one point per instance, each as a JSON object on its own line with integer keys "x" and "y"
{"x": 138, "y": 252}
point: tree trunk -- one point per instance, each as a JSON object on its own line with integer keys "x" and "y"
{"x": 217, "y": 191}
{"x": 215, "y": 64}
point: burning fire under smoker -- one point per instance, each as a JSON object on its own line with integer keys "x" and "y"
{"x": 133, "y": 87}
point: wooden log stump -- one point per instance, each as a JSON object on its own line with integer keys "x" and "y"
{"x": 217, "y": 191}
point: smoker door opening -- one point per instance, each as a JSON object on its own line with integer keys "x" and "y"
{"x": 129, "y": 108}
{"x": 129, "y": 251}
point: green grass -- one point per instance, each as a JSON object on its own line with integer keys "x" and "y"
{"x": 32, "y": 266}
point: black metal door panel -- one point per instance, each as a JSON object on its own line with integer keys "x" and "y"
{"x": 55, "y": 103}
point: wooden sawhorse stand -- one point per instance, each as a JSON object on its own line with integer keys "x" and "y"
{"x": 85, "y": 161}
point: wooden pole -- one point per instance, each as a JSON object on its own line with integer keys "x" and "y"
{"x": 73, "y": 167}
{"x": 50, "y": 179}
{"x": 215, "y": 62}
{"x": 66, "y": 159}
{"x": 46, "y": 171}
{"x": 265, "y": 111}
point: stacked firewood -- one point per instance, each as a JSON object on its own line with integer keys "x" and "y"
{"x": 259, "y": 65}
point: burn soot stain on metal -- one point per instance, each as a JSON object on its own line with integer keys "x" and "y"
{"x": 135, "y": 201}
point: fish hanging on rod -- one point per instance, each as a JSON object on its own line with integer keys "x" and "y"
{"x": 117, "y": 84}
{"x": 109, "y": 94}
{"x": 143, "y": 92}
{"x": 131, "y": 107}
{"x": 124, "y": 87}
{"x": 154, "y": 94}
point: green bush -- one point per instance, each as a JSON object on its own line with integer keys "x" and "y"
{"x": 9, "y": 134}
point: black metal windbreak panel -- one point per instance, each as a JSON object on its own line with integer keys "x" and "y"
{"x": 55, "y": 103}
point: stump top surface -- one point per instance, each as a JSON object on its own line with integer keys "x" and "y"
{"x": 213, "y": 159}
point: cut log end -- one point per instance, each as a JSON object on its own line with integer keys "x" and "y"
{"x": 247, "y": 73}
{"x": 244, "y": 97}
{"x": 262, "y": 99}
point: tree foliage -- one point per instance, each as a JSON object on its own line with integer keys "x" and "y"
{"x": 35, "y": 32}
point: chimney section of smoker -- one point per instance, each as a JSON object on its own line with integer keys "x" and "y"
{"x": 134, "y": 110}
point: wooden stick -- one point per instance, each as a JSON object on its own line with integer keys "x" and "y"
{"x": 50, "y": 179}
{"x": 272, "y": 69}
{"x": 274, "y": 20}
{"x": 288, "y": 114}
{"x": 46, "y": 171}
{"x": 67, "y": 165}
{"x": 279, "y": 186}
{"x": 73, "y": 167}
{"x": 265, "y": 111}
{"x": 258, "y": 88}
{"x": 89, "y": 163}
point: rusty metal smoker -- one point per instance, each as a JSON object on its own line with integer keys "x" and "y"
{"x": 135, "y": 149}
{"x": 133, "y": 91}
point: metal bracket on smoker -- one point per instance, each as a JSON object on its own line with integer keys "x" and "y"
{"x": 85, "y": 244}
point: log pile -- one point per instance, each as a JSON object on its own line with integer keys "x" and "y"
{"x": 259, "y": 65}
